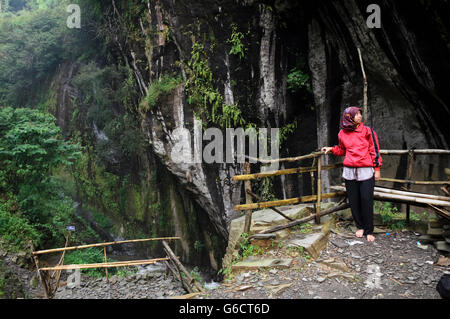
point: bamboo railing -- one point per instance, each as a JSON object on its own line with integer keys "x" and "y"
{"x": 171, "y": 261}
{"x": 317, "y": 168}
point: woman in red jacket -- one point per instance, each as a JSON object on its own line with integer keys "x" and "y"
{"x": 362, "y": 163}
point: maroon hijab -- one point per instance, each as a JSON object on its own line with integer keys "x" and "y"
{"x": 347, "y": 119}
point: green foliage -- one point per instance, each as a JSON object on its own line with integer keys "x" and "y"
{"x": 390, "y": 215}
{"x": 208, "y": 103}
{"x": 247, "y": 249}
{"x": 265, "y": 188}
{"x": 198, "y": 245}
{"x": 387, "y": 212}
{"x": 157, "y": 90}
{"x": 32, "y": 45}
{"x": 195, "y": 273}
{"x": 15, "y": 229}
{"x": 90, "y": 256}
{"x": 237, "y": 48}
{"x": 30, "y": 147}
{"x": 286, "y": 130}
{"x": 32, "y": 206}
{"x": 297, "y": 79}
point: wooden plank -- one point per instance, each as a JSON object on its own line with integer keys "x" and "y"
{"x": 290, "y": 201}
{"x": 106, "y": 265}
{"x": 287, "y": 171}
{"x": 47, "y": 251}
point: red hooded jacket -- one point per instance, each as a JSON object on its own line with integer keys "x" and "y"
{"x": 360, "y": 148}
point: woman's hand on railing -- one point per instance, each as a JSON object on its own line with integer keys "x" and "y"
{"x": 377, "y": 175}
{"x": 326, "y": 149}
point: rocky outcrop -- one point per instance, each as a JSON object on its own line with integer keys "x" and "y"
{"x": 406, "y": 66}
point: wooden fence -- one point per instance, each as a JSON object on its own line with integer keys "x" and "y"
{"x": 253, "y": 201}
{"x": 171, "y": 261}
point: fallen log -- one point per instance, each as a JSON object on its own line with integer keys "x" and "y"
{"x": 304, "y": 220}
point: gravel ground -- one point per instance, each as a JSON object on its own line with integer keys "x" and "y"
{"x": 392, "y": 267}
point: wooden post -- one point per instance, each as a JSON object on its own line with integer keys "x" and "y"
{"x": 106, "y": 261}
{"x": 61, "y": 262}
{"x": 41, "y": 276}
{"x": 313, "y": 182}
{"x": 408, "y": 185}
{"x": 248, "y": 200}
{"x": 319, "y": 189}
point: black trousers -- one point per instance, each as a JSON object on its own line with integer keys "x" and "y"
{"x": 360, "y": 198}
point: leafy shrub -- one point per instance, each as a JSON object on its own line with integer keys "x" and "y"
{"x": 16, "y": 230}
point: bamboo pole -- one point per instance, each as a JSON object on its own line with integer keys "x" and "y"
{"x": 41, "y": 275}
{"x": 287, "y": 171}
{"x": 414, "y": 182}
{"x": 106, "y": 265}
{"x": 180, "y": 265}
{"x": 259, "y": 199}
{"x": 365, "y": 86}
{"x": 305, "y": 219}
{"x": 319, "y": 189}
{"x": 408, "y": 185}
{"x": 403, "y": 198}
{"x": 440, "y": 212}
{"x": 248, "y": 199}
{"x": 106, "y": 261}
{"x": 421, "y": 152}
{"x": 61, "y": 262}
{"x": 290, "y": 201}
{"x": 383, "y": 152}
{"x": 408, "y": 193}
{"x": 47, "y": 251}
{"x": 313, "y": 189}
{"x": 287, "y": 159}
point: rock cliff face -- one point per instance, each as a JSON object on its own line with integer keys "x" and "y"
{"x": 406, "y": 61}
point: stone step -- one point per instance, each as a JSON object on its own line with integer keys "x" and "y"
{"x": 255, "y": 263}
{"x": 442, "y": 245}
{"x": 312, "y": 243}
